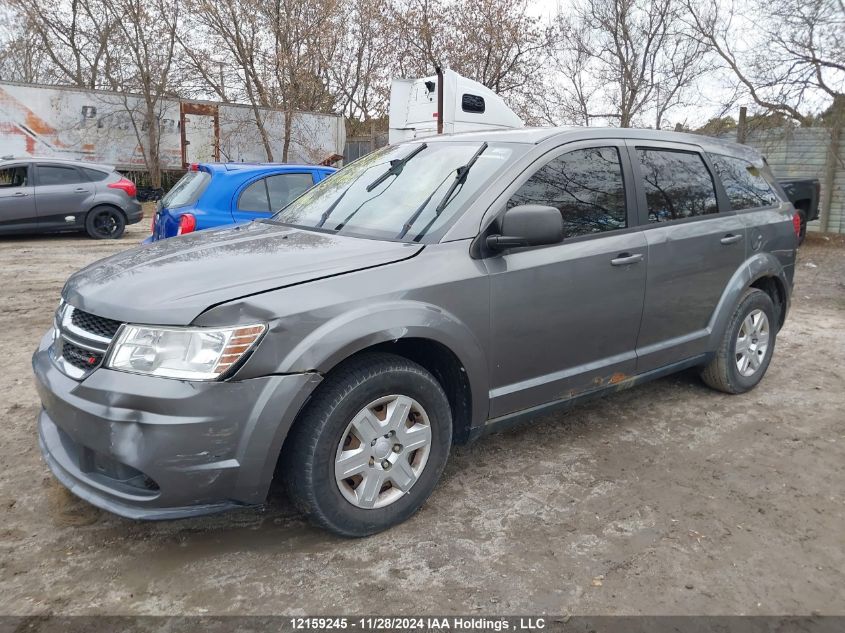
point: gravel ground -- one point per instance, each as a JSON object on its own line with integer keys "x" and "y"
{"x": 666, "y": 499}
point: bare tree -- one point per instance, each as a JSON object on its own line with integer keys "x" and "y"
{"x": 359, "y": 62}
{"x": 74, "y": 36}
{"x": 298, "y": 31}
{"x": 788, "y": 56}
{"x": 139, "y": 60}
{"x": 626, "y": 60}
{"x": 22, "y": 57}
{"x": 237, "y": 26}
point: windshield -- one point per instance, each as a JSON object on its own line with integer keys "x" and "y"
{"x": 399, "y": 192}
{"x": 187, "y": 190}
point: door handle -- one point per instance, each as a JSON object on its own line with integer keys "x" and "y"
{"x": 20, "y": 194}
{"x": 81, "y": 189}
{"x": 730, "y": 238}
{"x": 626, "y": 258}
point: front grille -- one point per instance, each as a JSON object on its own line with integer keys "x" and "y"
{"x": 94, "y": 324}
{"x": 79, "y": 357}
{"x": 81, "y": 340}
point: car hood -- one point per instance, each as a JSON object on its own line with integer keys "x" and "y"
{"x": 172, "y": 281}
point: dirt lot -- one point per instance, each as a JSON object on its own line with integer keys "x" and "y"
{"x": 669, "y": 498}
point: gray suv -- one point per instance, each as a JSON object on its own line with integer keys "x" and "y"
{"x": 46, "y": 195}
{"x": 425, "y": 295}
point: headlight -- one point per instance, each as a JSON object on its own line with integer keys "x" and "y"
{"x": 188, "y": 353}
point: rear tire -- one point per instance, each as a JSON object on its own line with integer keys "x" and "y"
{"x": 105, "y": 223}
{"x": 747, "y": 346}
{"x": 369, "y": 449}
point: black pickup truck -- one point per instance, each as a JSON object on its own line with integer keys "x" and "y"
{"x": 803, "y": 193}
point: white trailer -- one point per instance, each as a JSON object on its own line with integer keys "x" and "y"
{"x": 104, "y": 127}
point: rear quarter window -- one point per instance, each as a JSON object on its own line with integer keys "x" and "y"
{"x": 744, "y": 183}
{"x": 95, "y": 175}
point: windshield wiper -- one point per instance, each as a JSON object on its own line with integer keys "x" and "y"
{"x": 460, "y": 178}
{"x": 359, "y": 207}
{"x": 330, "y": 210}
{"x": 395, "y": 168}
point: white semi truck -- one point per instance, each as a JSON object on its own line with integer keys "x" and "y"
{"x": 445, "y": 103}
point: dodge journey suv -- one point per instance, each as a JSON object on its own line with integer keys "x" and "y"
{"x": 426, "y": 294}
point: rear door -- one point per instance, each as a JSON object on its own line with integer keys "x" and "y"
{"x": 695, "y": 245}
{"x": 17, "y": 202}
{"x": 263, "y": 197}
{"x": 62, "y": 194}
{"x": 565, "y": 317}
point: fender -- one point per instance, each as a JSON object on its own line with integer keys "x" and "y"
{"x": 756, "y": 267}
{"x": 356, "y": 330}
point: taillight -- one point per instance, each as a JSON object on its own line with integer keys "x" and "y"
{"x": 153, "y": 225}
{"x": 187, "y": 224}
{"x": 796, "y": 224}
{"x": 126, "y": 185}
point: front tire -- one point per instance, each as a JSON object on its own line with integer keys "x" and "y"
{"x": 105, "y": 223}
{"x": 746, "y": 349}
{"x": 368, "y": 450}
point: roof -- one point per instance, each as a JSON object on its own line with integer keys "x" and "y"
{"x": 531, "y": 135}
{"x": 537, "y": 135}
{"x": 58, "y": 161}
{"x": 245, "y": 167}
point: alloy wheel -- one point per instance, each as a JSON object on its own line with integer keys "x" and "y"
{"x": 105, "y": 224}
{"x": 752, "y": 341}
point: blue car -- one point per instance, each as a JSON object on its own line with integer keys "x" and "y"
{"x": 216, "y": 194}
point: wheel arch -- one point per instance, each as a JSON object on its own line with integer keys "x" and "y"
{"x": 762, "y": 271}
{"x": 423, "y": 333}
{"x": 773, "y": 286}
{"x": 440, "y": 361}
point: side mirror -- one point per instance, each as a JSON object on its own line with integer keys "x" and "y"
{"x": 528, "y": 225}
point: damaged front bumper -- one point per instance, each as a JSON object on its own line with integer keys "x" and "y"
{"x": 155, "y": 448}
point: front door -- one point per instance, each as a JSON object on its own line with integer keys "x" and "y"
{"x": 565, "y": 317}
{"x": 17, "y": 202}
{"x": 695, "y": 245}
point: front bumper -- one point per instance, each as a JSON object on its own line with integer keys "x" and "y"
{"x": 156, "y": 448}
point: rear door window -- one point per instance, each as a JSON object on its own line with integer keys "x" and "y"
{"x": 677, "y": 185}
{"x": 58, "y": 175}
{"x": 187, "y": 191}
{"x": 744, "y": 183}
{"x": 254, "y": 198}
{"x": 585, "y": 185}
{"x": 284, "y": 188}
